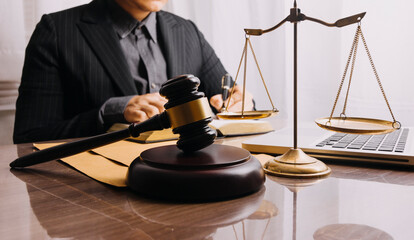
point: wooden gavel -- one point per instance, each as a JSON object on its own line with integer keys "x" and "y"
{"x": 187, "y": 113}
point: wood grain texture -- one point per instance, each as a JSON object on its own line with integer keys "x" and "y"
{"x": 52, "y": 200}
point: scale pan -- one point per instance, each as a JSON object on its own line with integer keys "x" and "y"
{"x": 356, "y": 125}
{"x": 247, "y": 114}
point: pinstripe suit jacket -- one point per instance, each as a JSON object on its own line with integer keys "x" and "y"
{"x": 74, "y": 63}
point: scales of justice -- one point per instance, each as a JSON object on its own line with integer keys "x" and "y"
{"x": 296, "y": 163}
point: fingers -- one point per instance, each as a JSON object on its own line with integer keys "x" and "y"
{"x": 142, "y": 107}
{"x": 134, "y": 115}
{"x": 236, "y": 101}
{"x": 217, "y": 101}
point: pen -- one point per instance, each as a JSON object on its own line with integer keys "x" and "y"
{"x": 225, "y": 87}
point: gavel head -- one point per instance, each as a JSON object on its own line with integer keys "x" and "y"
{"x": 189, "y": 113}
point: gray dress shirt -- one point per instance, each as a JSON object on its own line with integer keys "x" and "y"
{"x": 146, "y": 62}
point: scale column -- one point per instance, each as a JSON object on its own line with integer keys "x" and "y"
{"x": 295, "y": 162}
{"x": 295, "y": 78}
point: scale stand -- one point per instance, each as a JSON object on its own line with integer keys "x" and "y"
{"x": 296, "y": 163}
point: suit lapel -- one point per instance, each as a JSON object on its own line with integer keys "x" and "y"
{"x": 172, "y": 42}
{"x": 101, "y": 37}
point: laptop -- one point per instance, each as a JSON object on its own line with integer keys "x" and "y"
{"x": 395, "y": 148}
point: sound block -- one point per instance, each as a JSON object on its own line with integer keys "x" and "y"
{"x": 217, "y": 172}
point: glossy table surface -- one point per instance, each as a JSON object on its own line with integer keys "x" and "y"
{"x": 54, "y": 201}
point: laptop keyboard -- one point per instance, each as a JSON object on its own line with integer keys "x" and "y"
{"x": 391, "y": 142}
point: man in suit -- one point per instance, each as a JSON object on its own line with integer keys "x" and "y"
{"x": 104, "y": 62}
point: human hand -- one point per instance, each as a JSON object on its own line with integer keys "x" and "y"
{"x": 142, "y": 107}
{"x": 236, "y": 103}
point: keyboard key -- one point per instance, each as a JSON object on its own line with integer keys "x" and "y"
{"x": 369, "y": 148}
{"x": 340, "y": 145}
{"x": 386, "y": 149}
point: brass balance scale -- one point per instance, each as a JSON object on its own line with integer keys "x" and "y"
{"x": 296, "y": 163}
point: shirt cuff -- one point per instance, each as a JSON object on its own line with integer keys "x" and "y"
{"x": 112, "y": 111}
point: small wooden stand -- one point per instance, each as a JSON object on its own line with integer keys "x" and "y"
{"x": 217, "y": 172}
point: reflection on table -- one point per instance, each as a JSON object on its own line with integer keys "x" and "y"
{"x": 52, "y": 200}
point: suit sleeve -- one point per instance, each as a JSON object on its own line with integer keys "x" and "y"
{"x": 40, "y": 111}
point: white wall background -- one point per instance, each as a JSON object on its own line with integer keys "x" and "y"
{"x": 322, "y": 52}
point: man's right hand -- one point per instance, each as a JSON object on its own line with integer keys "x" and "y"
{"x": 142, "y": 107}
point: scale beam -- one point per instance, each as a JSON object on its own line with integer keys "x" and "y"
{"x": 341, "y": 22}
{"x": 296, "y": 16}
{"x": 258, "y": 32}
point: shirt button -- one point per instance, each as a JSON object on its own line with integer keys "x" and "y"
{"x": 153, "y": 85}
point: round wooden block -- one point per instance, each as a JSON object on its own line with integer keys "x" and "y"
{"x": 217, "y": 172}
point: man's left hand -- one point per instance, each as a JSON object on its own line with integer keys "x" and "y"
{"x": 236, "y": 103}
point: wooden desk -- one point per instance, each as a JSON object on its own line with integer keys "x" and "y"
{"x": 52, "y": 200}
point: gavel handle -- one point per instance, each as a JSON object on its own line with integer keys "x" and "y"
{"x": 69, "y": 149}
{"x": 157, "y": 122}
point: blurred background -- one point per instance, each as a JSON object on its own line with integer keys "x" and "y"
{"x": 322, "y": 53}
